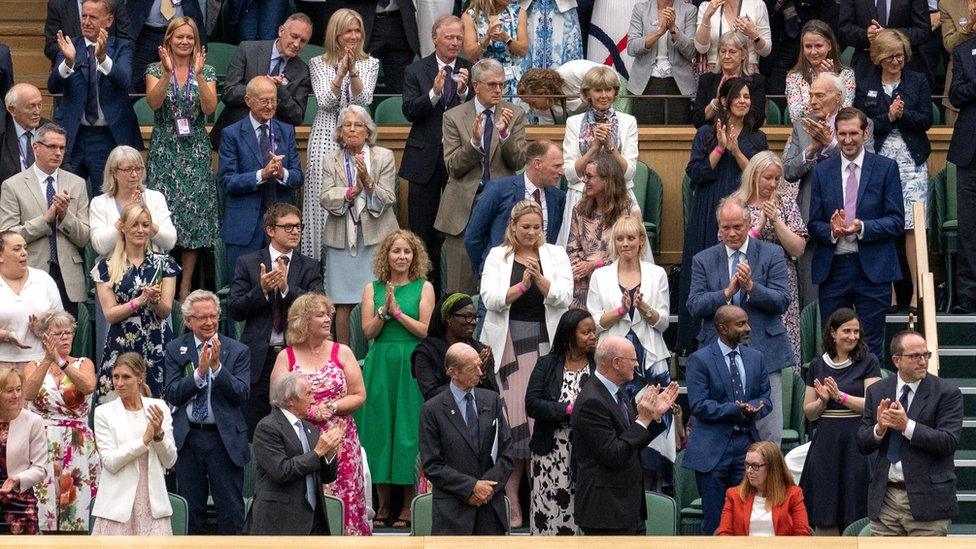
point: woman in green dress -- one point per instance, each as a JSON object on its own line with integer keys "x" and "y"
{"x": 396, "y": 308}
{"x": 183, "y": 91}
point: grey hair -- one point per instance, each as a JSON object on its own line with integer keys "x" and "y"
{"x": 736, "y": 201}
{"x": 50, "y": 127}
{"x": 119, "y": 155}
{"x": 16, "y": 93}
{"x": 483, "y": 66}
{"x": 444, "y": 20}
{"x": 55, "y": 317}
{"x": 110, "y": 5}
{"x": 364, "y": 116}
{"x": 197, "y": 296}
{"x": 285, "y": 388}
{"x": 834, "y": 80}
{"x": 740, "y": 42}
{"x": 606, "y": 350}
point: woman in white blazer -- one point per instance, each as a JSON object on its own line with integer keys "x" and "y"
{"x": 599, "y": 128}
{"x": 134, "y": 434}
{"x": 23, "y": 446}
{"x": 526, "y": 287}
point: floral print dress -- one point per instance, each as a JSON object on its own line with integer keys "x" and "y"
{"x": 18, "y": 510}
{"x": 497, "y": 50}
{"x": 144, "y": 332}
{"x": 65, "y": 496}
{"x": 589, "y": 240}
{"x": 556, "y": 37}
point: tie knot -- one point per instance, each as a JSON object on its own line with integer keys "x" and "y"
{"x": 29, "y": 134}
{"x": 264, "y": 127}
{"x": 469, "y": 396}
{"x": 852, "y": 168}
{"x": 732, "y": 354}
{"x": 448, "y": 69}
{"x": 905, "y": 389}
{"x": 283, "y": 259}
{"x": 49, "y": 180}
{"x": 298, "y": 423}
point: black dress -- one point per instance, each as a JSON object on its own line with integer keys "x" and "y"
{"x": 835, "y": 474}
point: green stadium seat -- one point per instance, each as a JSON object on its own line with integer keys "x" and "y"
{"x": 422, "y": 510}
{"x": 334, "y": 511}
{"x": 144, "y": 114}
{"x": 943, "y": 187}
{"x": 854, "y": 528}
{"x": 810, "y": 336}
{"x": 357, "y": 338}
{"x": 219, "y": 56}
{"x": 774, "y": 117}
{"x": 310, "y": 51}
{"x": 662, "y": 515}
{"x": 653, "y": 202}
{"x": 390, "y": 111}
{"x": 623, "y": 102}
{"x": 846, "y": 56}
{"x": 310, "y": 110}
{"x": 178, "y": 520}
{"x": 936, "y": 114}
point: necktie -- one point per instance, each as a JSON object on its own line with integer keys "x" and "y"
{"x": 736, "y": 258}
{"x": 167, "y": 9}
{"x": 622, "y": 404}
{"x": 737, "y": 391}
{"x": 894, "y": 444}
{"x": 309, "y": 482}
{"x": 850, "y": 197}
{"x": 489, "y": 129}
{"x": 53, "y": 239}
{"x": 471, "y": 420}
{"x": 199, "y": 411}
{"x": 448, "y": 93}
{"x": 883, "y": 12}
{"x": 91, "y": 102}
{"x": 264, "y": 143}
{"x": 277, "y": 313}
{"x": 537, "y": 196}
{"x": 28, "y": 149}
{"x": 278, "y": 67}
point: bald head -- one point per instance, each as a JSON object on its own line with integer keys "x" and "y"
{"x": 732, "y": 325}
{"x": 463, "y": 365}
{"x": 23, "y": 102}
{"x": 262, "y": 98}
{"x": 616, "y": 359}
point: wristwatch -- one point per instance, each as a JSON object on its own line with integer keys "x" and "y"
{"x": 381, "y": 312}
{"x": 756, "y": 39}
{"x": 509, "y": 41}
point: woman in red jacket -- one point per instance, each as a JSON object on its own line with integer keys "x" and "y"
{"x": 767, "y": 502}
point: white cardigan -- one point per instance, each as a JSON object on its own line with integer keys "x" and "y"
{"x": 119, "y": 453}
{"x": 103, "y": 213}
{"x": 605, "y": 294}
{"x": 495, "y": 280}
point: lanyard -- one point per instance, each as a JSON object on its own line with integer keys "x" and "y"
{"x": 176, "y": 93}
{"x": 348, "y": 162}
{"x": 272, "y": 138}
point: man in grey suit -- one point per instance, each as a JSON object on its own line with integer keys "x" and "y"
{"x": 48, "y": 206}
{"x": 277, "y": 59}
{"x": 911, "y": 424}
{"x": 814, "y": 140}
{"x": 465, "y": 447}
{"x": 293, "y": 460}
{"x": 483, "y": 139}
{"x": 751, "y": 274}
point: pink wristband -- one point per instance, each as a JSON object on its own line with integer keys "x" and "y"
{"x": 620, "y": 311}
{"x": 569, "y": 409}
{"x": 842, "y": 398}
{"x": 719, "y": 150}
{"x": 132, "y": 305}
{"x": 599, "y": 263}
{"x": 754, "y": 233}
{"x": 348, "y": 193}
{"x": 521, "y": 287}
{"x": 397, "y": 315}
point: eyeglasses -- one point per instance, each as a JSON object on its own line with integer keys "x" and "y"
{"x": 291, "y": 227}
{"x": 207, "y": 318}
{"x": 52, "y": 148}
{"x": 917, "y": 356}
{"x": 357, "y": 125}
{"x": 469, "y": 318}
{"x": 266, "y": 102}
{"x": 754, "y": 466}
{"x": 493, "y": 85}
{"x": 132, "y": 170}
{"x": 66, "y": 333}
{"x": 587, "y": 177}
{"x": 631, "y": 359}
{"x": 896, "y": 57}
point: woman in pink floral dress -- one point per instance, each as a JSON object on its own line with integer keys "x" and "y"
{"x": 337, "y": 389}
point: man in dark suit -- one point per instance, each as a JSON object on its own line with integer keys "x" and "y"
{"x": 293, "y": 460}
{"x": 728, "y": 390}
{"x": 861, "y": 20}
{"x": 912, "y": 423}
{"x": 278, "y": 59}
{"x": 429, "y": 89}
{"x": 752, "y": 274}
{"x": 147, "y": 22}
{"x": 259, "y": 166}
{"x": 206, "y": 380}
{"x": 962, "y": 153}
{"x": 264, "y": 286}
{"x": 92, "y": 72}
{"x": 493, "y": 207}
{"x": 856, "y": 214}
{"x": 466, "y": 451}
{"x": 23, "y": 117}
{"x": 608, "y": 434}
{"x": 65, "y": 16}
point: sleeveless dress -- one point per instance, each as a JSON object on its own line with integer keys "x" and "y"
{"x": 329, "y": 385}
{"x": 389, "y": 422}
{"x": 64, "y": 498}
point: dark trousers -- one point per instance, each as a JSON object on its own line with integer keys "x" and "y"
{"x": 423, "y": 199}
{"x": 258, "y": 405}
{"x": 848, "y": 286}
{"x": 261, "y": 22}
{"x": 146, "y": 51}
{"x": 388, "y": 43}
{"x": 486, "y": 522}
{"x": 55, "y": 271}
{"x": 713, "y": 484}
{"x": 319, "y": 13}
{"x": 320, "y": 523}
{"x": 204, "y": 468}
{"x": 966, "y": 255}
{"x": 88, "y": 155}
{"x": 931, "y": 52}
{"x": 662, "y": 111}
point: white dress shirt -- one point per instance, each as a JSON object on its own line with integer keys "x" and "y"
{"x": 729, "y": 252}
{"x": 278, "y": 338}
{"x": 42, "y": 179}
{"x": 530, "y": 188}
{"x": 436, "y": 97}
{"x": 845, "y": 246}
{"x": 896, "y": 473}
{"x": 104, "y": 67}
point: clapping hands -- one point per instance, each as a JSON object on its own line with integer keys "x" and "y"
{"x": 154, "y": 428}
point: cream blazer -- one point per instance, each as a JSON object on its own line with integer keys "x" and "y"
{"x": 605, "y": 294}
{"x": 103, "y": 214}
{"x": 627, "y": 129}
{"x": 119, "y": 453}
{"x": 27, "y": 455}
{"x": 378, "y": 219}
{"x": 495, "y": 282}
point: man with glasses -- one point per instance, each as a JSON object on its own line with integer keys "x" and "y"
{"x": 23, "y": 117}
{"x": 728, "y": 391}
{"x": 48, "y": 206}
{"x": 207, "y": 383}
{"x": 265, "y": 284}
{"x": 259, "y": 166}
{"x": 911, "y": 423}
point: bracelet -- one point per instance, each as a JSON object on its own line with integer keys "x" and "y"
{"x": 619, "y": 311}
{"x": 754, "y": 233}
{"x": 569, "y": 409}
{"x": 132, "y": 305}
{"x": 599, "y": 263}
{"x": 719, "y": 150}
{"x": 521, "y": 287}
{"x": 842, "y": 398}
{"x": 349, "y": 193}
{"x": 354, "y": 75}
{"x": 397, "y": 314}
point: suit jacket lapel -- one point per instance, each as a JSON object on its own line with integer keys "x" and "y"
{"x": 485, "y": 420}
{"x": 920, "y": 400}
{"x": 723, "y": 260}
{"x": 609, "y": 398}
{"x": 455, "y": 417}
{"x": 34, "y": 186}
{"x": 718, "y": 361}
{"x": 249, "y": 138}
{"x": 291, "y": 437}
{"x": 866, "y": 170}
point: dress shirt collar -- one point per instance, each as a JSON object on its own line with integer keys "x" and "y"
{"x": 276, "y": 53}
{"x": 441, "y": 63}
{"x": 458, "y": 395}
{"x": 255, "y": 124}
{"x": 275, "y": 254}
{"x": 197, "y": 342}
{"x": 479, "y": 108}
{"x": 530, "y": 186}
{"x": 292, "y": 418}
{"x": 901, "y": 383}
{"x": 611, "y": 386}
{"x": 41, "y": 176}
{"x": 744, "y": 249}
{"x": 20, "y": 130}
{"x": 858, "y": 161}
{"x": 726, "y": 349}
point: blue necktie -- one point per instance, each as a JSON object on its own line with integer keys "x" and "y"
{"x": 471, "y": 421}
{"x": 28, "y": 149}
{"x": 278, "y": 67}
{"x": 489, "y": 129}
{"x": 91, "y": 102}
{"x": 447, "y": 93}
{"x": 736, "y": 257}
{"x": 200, "y": 407}
{"x": 309, "y": 482}
{"x": 737, "y": 390}
{"x": 622, "y": 404}
{"x": 894, "y": 444}
{"x": 53, "y": 239}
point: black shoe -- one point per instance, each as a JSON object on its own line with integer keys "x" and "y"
{"x": 965, "y": 306}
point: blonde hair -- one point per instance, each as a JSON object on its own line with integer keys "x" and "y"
{"x": 118, "y": 262}
{"x": 118, "y": 156}
{"x": 750, "y": 175}
{"x": 381, "y": 258}
{"x": 598, "y": 78}
{"x": 520, "y": 210}
{"x": 778, "y": 477}
{"x": 339, "y": 23}
{"x": 178, "y": 22}
{"x": 887, "y": 43}
{"x": 134, "y": 362}
{"x": 628, "y": 224}
{"x": 301, "y": 312}
{"x": 6, "y": 372}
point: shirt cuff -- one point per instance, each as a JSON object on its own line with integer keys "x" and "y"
{"x": 476, "y": 146}
{"x": 877, "y": 437}
{"x": 909, "y": 429}
{"x": 643, "y": 424}
{"x": 860, "y": 234}
{"x": 257, "y": 177}
{"x": 284, "y": 177}
{"x": 284, "y": 292}
{"x": 201, "y": 383}
{"x": 63, "y": 70}
{"x": 105, "y": 67}
{"x": 434, "y": 98}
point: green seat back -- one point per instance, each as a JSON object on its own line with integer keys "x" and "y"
{"x": 178, "y": 520}
{"x": 83, "y": 344}
{"x": 310, "y": 51}
{"x": 662, "y": 515}
{"x": 652, "y": 207}
{"x": 390, "y": 111}
{"x": 334, "y": 511}
{"x": 357, "y": 338}
{"x": 310, "y": 110}
{"x": 810, "y": 337}
{"x": 773, "y": 115}
{"x": 219, "y": 56}
{"x": 216, "y": 114}
{"x": 421, "y": 514}
{"x": 854, "y": 528}
{"x": 176, "y": 317}
{"x": 623, "y": 102}
{"x": 640, "y": 185}
{"x": 144, "y": 114}
{"x": 952, "y": 210}
{"x": 936, "y": 114}
{"x": 846, "y": 56}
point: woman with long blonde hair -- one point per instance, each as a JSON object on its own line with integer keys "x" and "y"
{"x": 135, "y": 288}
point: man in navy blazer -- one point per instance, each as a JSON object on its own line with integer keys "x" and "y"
{"x": 259, "y": 166}
{"x": 492, "y": 208}
{"x": 206, "y": 376}
{"x": 92, "y": 72}
{"x": 911, "y": 426}
{"x": 854, "y": 229}
{"x": 962, "y": 153}
{"x": 757, "y": 282}
{"x": 264, "y": 286}
{"x": 725, "y": 402}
